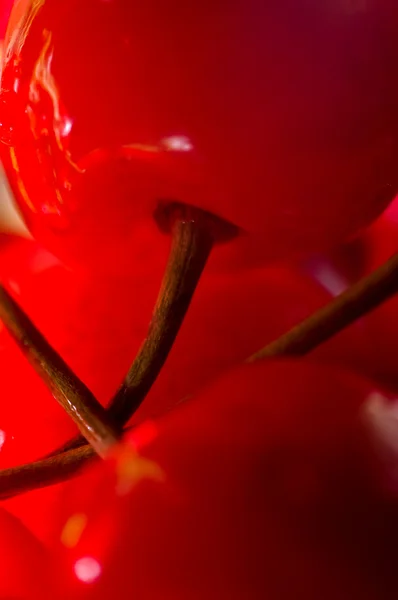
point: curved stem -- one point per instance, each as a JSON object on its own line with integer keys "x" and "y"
{"x": 359, "y": 299}
{"x": 42, "y": 473}
{"x": 192, "y": 241}
{"x": 364, "y": 296}
{"x": 191, "y": 247}
{"x": 71, "y": 393}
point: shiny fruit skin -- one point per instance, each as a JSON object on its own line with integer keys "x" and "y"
{"x": 265, "y": 486}
{"x": 98, "y": 323}
{"x": 31, "y": 420}
{"x": 5, "y": 10}
{"x": 278, "y": 116}
{"x": 32, "y": 423}
{"x": 348, "y": 263}
{"x": 25, "y": 572}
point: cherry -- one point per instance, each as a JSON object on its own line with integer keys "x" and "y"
{"x": 6, "y": 6}
{"x": 25, "y": 571}
{"x": 268, "y": 484}
{"x": 31, "y": 421}
{"x": 234, "y": 315}
{"x": 97, "y": 324}
{"x": 350, "y": 262}
{"x": 279, "y": 117}
{"x": 32, "y": 424}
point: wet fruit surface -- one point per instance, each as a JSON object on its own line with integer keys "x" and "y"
{"x": 266, "y": 483}
{"x": 280, "y": 117}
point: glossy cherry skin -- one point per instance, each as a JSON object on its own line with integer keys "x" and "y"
{"x": 32, "y": 423}
{"x": 347, "y": 264}
{"x": 265, "y": 486}
{"x": 98, "y": 324}
{"x": 279, "y": 116}
{"x": 25, "y": 572}
{"x": 5, "y": 9}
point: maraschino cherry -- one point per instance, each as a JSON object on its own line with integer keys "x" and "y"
{"x": 25, "y": 565}
{"x": 266, "y": 486}
{"x": 348, "y": 263}
{"x": 5, "y": 10}
{"x": 278, "y": 116}
{"x": 97, "y": 324}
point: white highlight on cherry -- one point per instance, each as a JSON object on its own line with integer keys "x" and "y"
{"x": 177, "y": 143}
{"x": 87, "y": 569}
{"x": 382, "y": 414}
{"x": 325, "y": 274}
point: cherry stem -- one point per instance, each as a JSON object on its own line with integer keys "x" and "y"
{"x": 192, "y": 241}
{"x": 361, "y": 298}
{"x": 43, "y": 473}
{"x": 191, "y": 247}
{"x": 88, "y": 414}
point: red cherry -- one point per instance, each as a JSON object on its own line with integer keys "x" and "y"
{"x": 234, "y": 315}
{"x": 263, "y": 487}
{"x": 6, "y": 6}
{"x": 349, "y": 263}
{"x": 97, "y": 324}
{"x": 25, "y": 571}
{"x": 32, "y": 424}
{"x": 279, "y": 116}
{"x": 31, "y": 421}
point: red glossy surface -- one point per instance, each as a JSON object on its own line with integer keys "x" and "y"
{"x": 380, "y": 327}
{"x": 267, "y": 486}
{"x": 5, "y": 9}
{"x": 25, "y": 571}
{"x": 279, "y": 116}
{"x": 31, "y": 421}
{"x": 98, "y": 324}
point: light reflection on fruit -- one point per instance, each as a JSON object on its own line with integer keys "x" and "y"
{"x": 285, "y": 133}
{"x": 269, "y": 486}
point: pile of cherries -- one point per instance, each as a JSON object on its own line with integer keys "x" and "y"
{"x": 255, "y": 144}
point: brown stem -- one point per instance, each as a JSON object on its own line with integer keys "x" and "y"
{"x": 191, "y": 247}
{"x": 43, "y": 473}
{"x": 359, "y": 299}
{"x": 352, "y": 304}
{"x": 192, "y": 241}
{"x": 71, "y": 393}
